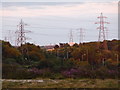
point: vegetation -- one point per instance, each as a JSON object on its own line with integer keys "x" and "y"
{"x": 66, "y": 83}
{"x": 85, "y": 60}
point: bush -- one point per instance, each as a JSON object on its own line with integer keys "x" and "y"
{"x": 83, "y": 72}
{"x": 9, "y": 60}
{"x": 56, "y": 65}
{"x": 10, "y": 71}
{"x": 76, "y": 73}
{"x": 101, "y": 72}
{"x": 40, "y": 72}
{"x": 57, "y": 76}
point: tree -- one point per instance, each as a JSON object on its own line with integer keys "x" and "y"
{"x": 9, "y": 52}
{"x": 56, "y": 46}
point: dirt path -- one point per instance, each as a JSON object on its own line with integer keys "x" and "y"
{"x": 23, "y": 81}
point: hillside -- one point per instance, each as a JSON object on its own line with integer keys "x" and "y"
{"x": 87, "y": 60}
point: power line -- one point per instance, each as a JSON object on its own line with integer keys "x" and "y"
{"x": 41, "y": 27}
{"x": 43, "y": 34}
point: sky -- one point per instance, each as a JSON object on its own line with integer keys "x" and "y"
{"x": 58, "y": 0}
{"x": 51, "y": 22}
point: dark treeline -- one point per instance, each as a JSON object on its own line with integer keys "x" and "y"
{"x": 86, "y": 60}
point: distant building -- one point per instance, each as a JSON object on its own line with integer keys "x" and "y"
{"x": 49, "y": 47}
{"x": 63, "y": 44}
{"x": 71, "y": 43}
{"x": 52, "y": 47}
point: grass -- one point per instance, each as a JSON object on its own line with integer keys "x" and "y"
{"x": 64, "y": 83}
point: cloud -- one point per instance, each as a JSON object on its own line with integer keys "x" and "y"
{"x": 69, "y": 10}
{"x": 58, "y": 0}
{"x": 24, "y": 4}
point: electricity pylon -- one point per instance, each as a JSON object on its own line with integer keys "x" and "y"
{"x": 71, "y": 36}
{"x": 81, "y": 36}
{"x": 21, "y": 38}
{"x": 102, "y": 28}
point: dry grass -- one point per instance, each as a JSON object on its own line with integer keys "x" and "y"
{"x": 65, "y": 83}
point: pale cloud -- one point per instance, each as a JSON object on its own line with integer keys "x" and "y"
{"x": 62, "y": 10}
{"x": 58, "y": 0}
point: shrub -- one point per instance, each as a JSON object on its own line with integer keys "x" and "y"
{"x": 40, "y": 72}
{"x": 83, "y": 72}
{"x": 76, "y": 73}
{"x": 10, "y": 71}
{"x": 56, "y": 65}
{"x": 9, "y": 60}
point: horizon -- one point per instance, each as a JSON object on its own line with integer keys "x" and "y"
{"x": 61, "y": 43}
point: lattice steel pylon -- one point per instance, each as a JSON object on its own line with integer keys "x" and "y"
{"x": 21, "y": 38}
{"x": 71, "y": 36}
{"x": 102, "y": 28}
{"x": 81, "y": 36}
